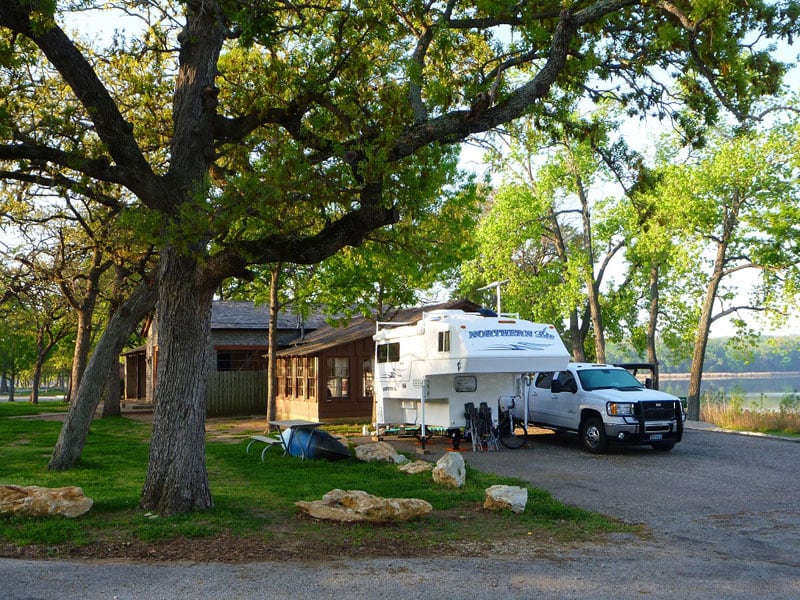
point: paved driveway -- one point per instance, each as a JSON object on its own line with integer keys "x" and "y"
{"x": 722, "y": 509}
{"x": 733, "y": 496}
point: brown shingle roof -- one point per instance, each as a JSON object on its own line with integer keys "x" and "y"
{"x": 237, "y": 314}
{"x": 360, "y": 328}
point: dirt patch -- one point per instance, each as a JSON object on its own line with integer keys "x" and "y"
{"x": 229, "y": 548}
{"x": 234, "y": 430}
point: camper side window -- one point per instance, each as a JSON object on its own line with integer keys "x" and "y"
{"x": 389, "y": 352}
{"x": 465, "y": 383}
{"x": 444, "y": 341}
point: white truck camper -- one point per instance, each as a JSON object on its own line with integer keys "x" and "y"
{"x": 428, "y": 372}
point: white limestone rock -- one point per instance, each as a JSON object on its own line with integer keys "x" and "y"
{"x": 506, "y": 496}
{"x": 357, "y": 506}
{"x": 379, "y": 452}
{"x": 450, "y": 470}
{"x": 418, "y": 466}
{"x": 36, "y": 501}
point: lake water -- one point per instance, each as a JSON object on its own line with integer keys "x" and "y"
{"x": 761, "y": 391}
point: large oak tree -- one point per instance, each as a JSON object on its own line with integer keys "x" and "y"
{"x": 342, "y": 95}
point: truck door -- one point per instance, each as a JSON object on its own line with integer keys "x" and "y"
{"x": 566, "y": 400}
{"x": 542, "y": 404}
{"x": 553, "y": 401}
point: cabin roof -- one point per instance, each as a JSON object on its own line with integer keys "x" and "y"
{"x": 360, "y": 328}
{"x": 237, "y": 314}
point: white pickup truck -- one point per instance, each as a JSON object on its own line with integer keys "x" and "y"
{"x": 604, "y": 404}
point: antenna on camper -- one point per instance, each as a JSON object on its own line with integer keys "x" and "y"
{"x": 496, "y": 285}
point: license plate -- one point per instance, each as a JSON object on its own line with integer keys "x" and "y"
{"x": 655, "y": 436}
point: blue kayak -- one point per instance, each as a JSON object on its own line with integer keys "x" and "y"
{"x": 313, "y": 443}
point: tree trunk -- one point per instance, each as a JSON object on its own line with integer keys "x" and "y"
{"x": 35, "y": 380}
{"x": 111, "y": 407}
{"x": 576, "y": 337}
{"x": 729, "y": 224}
{"x": 597, "y": 320}
{"x": 701, "y": 339}
{"x": 37, "y": 368}
{"x": 177, "y": 479}
{"x": 652, "y": 323}
{"x": 699, "y": 353}
{"x": 83, "y": 304}
{"x": 69, "y": 448}
{"x": 83, "y": 343}
{"x": 272, "y": 360}
{"x": 592, "y": 283}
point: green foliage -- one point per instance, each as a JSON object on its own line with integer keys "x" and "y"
{"x": 391, "y": 268}
{"x": 17, "y": 340}
{"x": 384, "y": 272}
{"x": 514, "y": 243}
{"x": 547, "y": 233}
{"x": 789, "y": 403}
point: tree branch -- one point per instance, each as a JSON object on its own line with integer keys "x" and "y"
{"x": 133, "y": 170}
{"x": 724, "y": 313}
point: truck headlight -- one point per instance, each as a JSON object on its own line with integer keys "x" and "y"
{"x": 619, "y": 409}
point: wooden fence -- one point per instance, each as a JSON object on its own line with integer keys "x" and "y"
{"x": 237, "y": 393}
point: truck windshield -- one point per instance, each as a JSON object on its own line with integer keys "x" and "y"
{"x": 620, "y": 379}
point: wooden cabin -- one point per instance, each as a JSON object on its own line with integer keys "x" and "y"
{"x": 237, "y": 367}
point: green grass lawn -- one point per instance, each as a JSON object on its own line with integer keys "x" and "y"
{"x": 254, "y": 515}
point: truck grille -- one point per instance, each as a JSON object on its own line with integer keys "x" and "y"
{"x": 658, "y": 411}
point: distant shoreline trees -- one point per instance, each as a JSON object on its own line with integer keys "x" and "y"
{"x": 768, "y": 354}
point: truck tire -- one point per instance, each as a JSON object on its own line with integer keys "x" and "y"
{"x": 593, "y": 435}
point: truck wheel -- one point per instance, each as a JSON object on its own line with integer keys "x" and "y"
{"x": 593, "y": 435}
{"x": 663, "y": 446}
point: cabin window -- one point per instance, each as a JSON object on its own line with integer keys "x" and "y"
{"x": 241, "y": 360}
{"x": 311, "y": 378}
{"x": 300, "y": 378}
{"x": 288, "y": 377}
{"x": 367, "y": 383}
{"x": 280, "y": 367}
{"x": 466, "y": 383}
{"x": 444, "y": 341}
{"x": 389, "y": 352}
{"x": 338, "y": 377}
